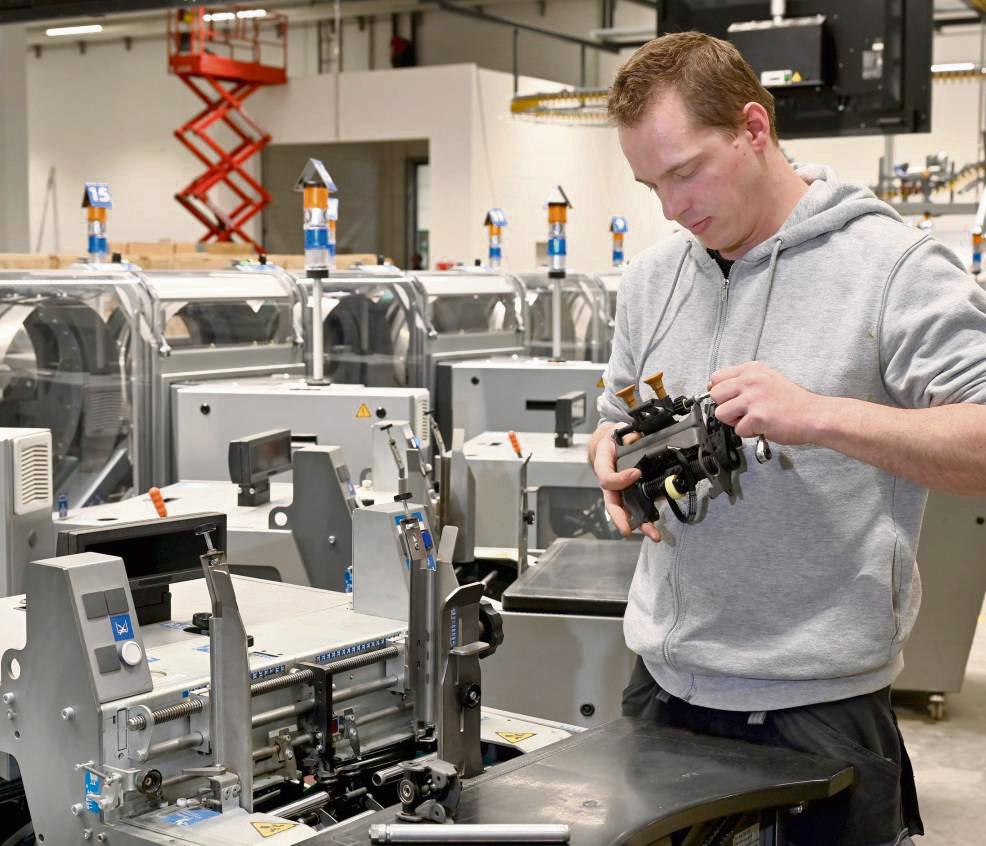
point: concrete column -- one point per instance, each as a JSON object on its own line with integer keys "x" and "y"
{"x": 14, "y": 231}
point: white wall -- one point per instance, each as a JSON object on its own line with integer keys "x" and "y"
{"x": 13, "y": 141}
{"x": 108, "y": 115}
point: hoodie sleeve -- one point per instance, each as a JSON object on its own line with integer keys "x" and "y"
{"x": 621, "y": 369}
{"x": 932, "y": 330}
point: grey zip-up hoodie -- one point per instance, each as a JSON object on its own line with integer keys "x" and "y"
{"x": 805, "y": 587}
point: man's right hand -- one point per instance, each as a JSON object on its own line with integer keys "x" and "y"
{"x": 602, "y": 454}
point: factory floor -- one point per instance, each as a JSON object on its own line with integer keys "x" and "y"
{"x": 949, "y": 756}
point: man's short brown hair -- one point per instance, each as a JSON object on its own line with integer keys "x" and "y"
{"x": 713, "y": 80}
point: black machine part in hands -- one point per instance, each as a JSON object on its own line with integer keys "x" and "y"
{"x": 681, "y": 443}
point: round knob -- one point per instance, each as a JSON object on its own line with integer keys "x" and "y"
{"x": 131, "y": 653}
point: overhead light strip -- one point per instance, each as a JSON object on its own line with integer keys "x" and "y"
{"x": 89, "y": 29}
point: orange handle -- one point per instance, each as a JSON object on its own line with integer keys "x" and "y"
{"x": 512, "y": 436}
{"x": 158, "y": 500}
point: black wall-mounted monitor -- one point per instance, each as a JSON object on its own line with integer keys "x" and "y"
{"x": 155, "y": 553}
{"x": 835, "y": 67}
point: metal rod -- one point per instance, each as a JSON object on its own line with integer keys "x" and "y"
{"x": 556, "y": 319}
{"x": 284, "y": 712}
{"x": 516, "y": 64}
{"x": 195, "y": 706}
{"x": 267, "y": 751}
{"x": 392, "y": 773}
{"x": 318, "y": 343}
{"x": 344, "y": 693}
{"x": 470, "y": 833}
{"x": 176, "y": 744}
{"x": 301, "y": 806}
{"x": 383, "y": 713}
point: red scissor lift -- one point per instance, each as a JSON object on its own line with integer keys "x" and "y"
{"x": 224, "y": 55}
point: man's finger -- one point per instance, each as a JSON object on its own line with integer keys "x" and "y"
{"x": 618, "y": 481}
{"x": 725, "y": 391}
{"x": 651, "y": 531}
{"x": 726, "y": 373}
{"x": 614, "y": 507}
{"x": 732, "y": 412}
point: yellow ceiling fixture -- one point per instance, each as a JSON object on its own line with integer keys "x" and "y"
{"x": 578, "y": 106}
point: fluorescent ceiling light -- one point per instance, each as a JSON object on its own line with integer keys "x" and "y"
{"x": 229, "y": 16}
{"x": 74, "y": 30}
{"x": 954, "y": 67}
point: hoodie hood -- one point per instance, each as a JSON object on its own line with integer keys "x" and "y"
{"x": 827, "y": 206}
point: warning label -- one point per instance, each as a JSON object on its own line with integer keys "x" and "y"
{"x": 748, "y": 836}
{"x": 363, "y": 412}
{"x": 600, "y": 383}
{"x": 516, "y": 736}
{"x": 269, "y": 829}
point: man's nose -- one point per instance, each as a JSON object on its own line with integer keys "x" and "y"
{"x": 673, "y": 205}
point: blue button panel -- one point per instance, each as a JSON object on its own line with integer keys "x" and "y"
{"x": 123, "y": 628}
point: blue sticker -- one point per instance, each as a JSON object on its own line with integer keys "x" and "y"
{"x": 123, "y": 629}
{"x": 190, "y": 816}
{"x": 202, "y": 648}
{"x": 152, "y": 660}
{"x": 93, "y": 788}
{"x": 98, "y": 195}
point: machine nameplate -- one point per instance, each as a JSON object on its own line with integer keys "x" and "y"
{"x": 192, "y": 816}
{"x": 93, "y": 788}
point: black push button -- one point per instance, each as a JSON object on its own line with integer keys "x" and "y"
{"x": 107, "y": 659}
{"x": 95, "y": 605}
{"x": 116, "y": 601}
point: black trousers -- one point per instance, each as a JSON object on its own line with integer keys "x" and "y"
{"x": 881, "y": 809}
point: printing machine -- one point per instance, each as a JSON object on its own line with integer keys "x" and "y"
{"x": 300, "y": 532}
{"x": 385, "y": 328}
{"x": 91, "y": 353}
{"x": 259, "y": 710}
{"x": 208, "y": 416}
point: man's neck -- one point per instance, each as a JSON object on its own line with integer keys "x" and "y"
{"x": 784, "y": 191}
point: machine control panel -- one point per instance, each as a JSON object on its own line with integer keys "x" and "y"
{"x": 107, "y": 622}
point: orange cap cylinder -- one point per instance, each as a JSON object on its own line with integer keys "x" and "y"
{"x": 512, "y": 437}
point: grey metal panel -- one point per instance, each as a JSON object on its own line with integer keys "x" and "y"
{"x": 551, "y": 665}
{"x": 244, "y": 407}
{"x": 952, "y": 561}
{"x": 493, "y": 394}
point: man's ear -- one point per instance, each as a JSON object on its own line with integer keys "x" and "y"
{"x": 756, "y": 124}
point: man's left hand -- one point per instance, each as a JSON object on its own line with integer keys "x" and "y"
{"x": 756, "y": 400}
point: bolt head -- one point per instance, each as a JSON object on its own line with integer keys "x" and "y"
{"x": 68, "y": 713}
{"x": 76, "y": 809}
{"x": 87, "y": 834}
{"x": 141, "y": 755}
{"x": 8, "y": 698}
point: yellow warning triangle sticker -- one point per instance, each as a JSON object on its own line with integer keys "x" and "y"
{"x": 269, "y": 829}
{"x": 516, "y": 736}
{"x": 363, "y": 412}
{"x": 600, "y": 383}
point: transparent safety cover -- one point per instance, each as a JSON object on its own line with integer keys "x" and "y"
{"x": 65, "y": 365}
{"x": 385, "y": 328}
{"x": 584, "y": 316}
{"x": 223, "y": 308}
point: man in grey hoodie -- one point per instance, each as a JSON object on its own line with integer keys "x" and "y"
{"x": 857, "y": 345}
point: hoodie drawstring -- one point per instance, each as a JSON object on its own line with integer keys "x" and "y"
{"x": 652, "y": 342}
{"x": 770, "y": 287}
